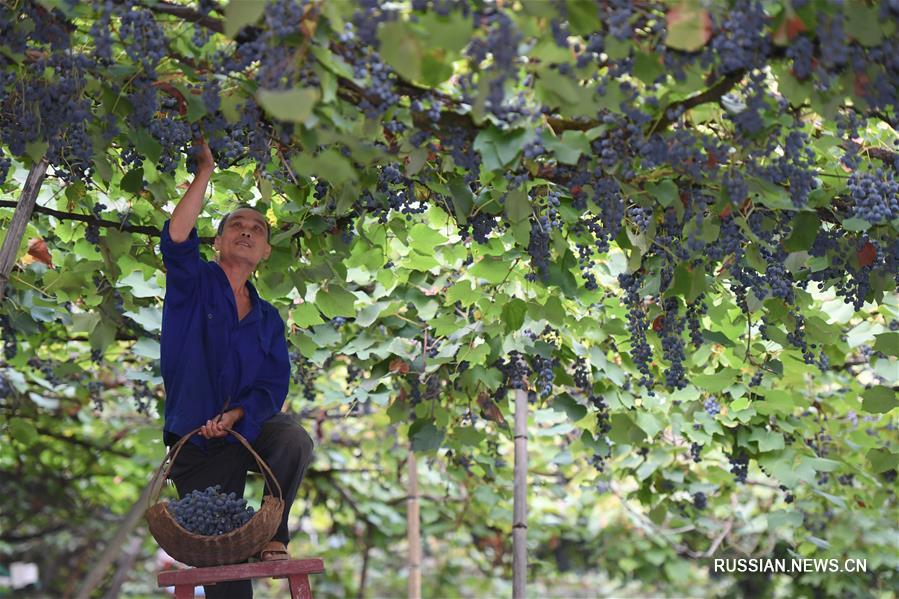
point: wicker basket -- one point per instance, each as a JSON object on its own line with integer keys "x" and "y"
{"x": 200, "y": 550}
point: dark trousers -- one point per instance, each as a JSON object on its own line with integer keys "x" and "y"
{"x": 284, "y": 446}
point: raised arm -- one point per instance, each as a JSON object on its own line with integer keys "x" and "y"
{"x": 184, "y": 218}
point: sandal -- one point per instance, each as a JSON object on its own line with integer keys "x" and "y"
{"x": 275, "y": 550}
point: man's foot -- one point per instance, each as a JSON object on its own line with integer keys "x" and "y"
{"x": 275, "y": 550}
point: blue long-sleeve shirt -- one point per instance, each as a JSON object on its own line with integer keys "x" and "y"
{"x": 207, "y": 356}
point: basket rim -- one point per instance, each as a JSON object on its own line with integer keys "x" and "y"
{"x": 162, "y": 473}
{"x": 269, "y": 502}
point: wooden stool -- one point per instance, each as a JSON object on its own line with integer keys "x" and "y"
{"x": 296, "y": 571}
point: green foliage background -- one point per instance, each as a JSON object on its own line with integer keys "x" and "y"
{"x": 74, "y": 457}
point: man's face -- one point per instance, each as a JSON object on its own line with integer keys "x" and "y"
{"x": 244, "y": 238}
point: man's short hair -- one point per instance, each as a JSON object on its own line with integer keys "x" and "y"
{"x": 268, "y": 229}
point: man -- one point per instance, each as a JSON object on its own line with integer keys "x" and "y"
{"x": 224, "y": 362}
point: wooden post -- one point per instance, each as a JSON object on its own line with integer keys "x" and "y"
{"x": 299, "y": 586}
{"x": 20, "y": 219}
{"x": 520, "y": 506}
{"x": 412, "y": 524}
{"x": 114, "y": 547}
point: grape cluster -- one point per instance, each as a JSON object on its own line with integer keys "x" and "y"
{"x": 210, "y": 512}
{"x": 757, "y": 379}
{"x": 515, "y": 370}
{"x": 538, "y": 248}
{"x": 788, "y": 497}
{"x": 641, "y": 353}
{"x": 284, "y": 17}
{"x": 304, "y": 374}
{"x": 95, "y": 390}
{"x": 174, "y": 135}
{"x": 742, "y": 40}
{"x": 143, "y": 39}
{"x": 582, "y": 375}
{"x": 673, "y": 345}
{"x": 712, "y": 407}
{"x": 739, "y": 466}
{"x": 641, "y": 216}
{"x": 534, "y": 149}
{"x": 544, "y": 369}
{"x": 46, "y": 368}
{"x": 143, "y": 397}
{"x": 797, "y": 337}
{"x": 414, "y": 391}
{"x": 585, "y": 263}
{"x": 700, "y": 501}
{"x": 599, "y": 462}
{"x": 695, "y": 310}
{"x": 603, "y": 421}
{"x": 696, "y": 452}
{"x": 875, "y": 196}
{"x": 5, "y": 163}
{"x": 10, "y": 345}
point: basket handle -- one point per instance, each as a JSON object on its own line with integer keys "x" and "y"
{"x": 162, "y": 473}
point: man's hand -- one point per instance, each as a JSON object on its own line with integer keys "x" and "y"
{"x": 204, "y": 160}
{"x": 216, "y": 428}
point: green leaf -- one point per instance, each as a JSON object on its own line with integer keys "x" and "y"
{"x": 329, "y": 165}
{"x": 717, "y": 381}
{"x": 22, "y": 430}
{"x": 462, "y": 292}
{"x": 240, "y": 13}
{"x": 306, "y": 315}
{"x": 583, "y": 17}
{"x": 887, "y": 343}
{"x": 425, "y": 436}
{"x": 567, "y": 404}
{"x": 518, "y": 206}
{"x": 557, "y": 89}
{"x": 649, "y": 423}
{"x": 462, "y": 198}
{"x": 780, "y": 519}
{"x": 805, "y": 229}
{"x": 776, "y": 401}
{"x": 513, "y": 314}
{"x": 647, "y": 67}
{"x": 150, "y": 318}
{"x": 569, "y": 148}
{"x": 689, "y": 27}
{"x": 147, "y": 145}
{"x": 401, "y": 49}
{"x": 292, "y": 105}
{"x": 767, "y": 440}
{"x": 863, "y": 24}
{"x": 468, "y": 435}
{"x": 336, "y": 301}
{"x": 332, "y": 62}
{"x": 133, "y": 181}
{"x": 493, "y": 270}
{"x": 624, "y": 430}
{"x": 474, "y": 354}
{"x": 882, "y": 460}
{"x": 451, "y": 32}
{"x": 855, "y": 224}
{"x": 879, "y": 400}
{"x": 425, "y": 239}
{"x": 665, "y": 192}
{"x": 36, "y": 149}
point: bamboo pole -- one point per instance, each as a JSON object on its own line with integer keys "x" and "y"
{"x": 113, "y": 548}
{"x": 520, "y": 507}
{"x": 412, "y": 523}
{"x": 20, "y": 219}
{"x": 123, "y": 567}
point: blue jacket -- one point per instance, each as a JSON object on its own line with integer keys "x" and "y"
{"x": 207, "y": 357}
